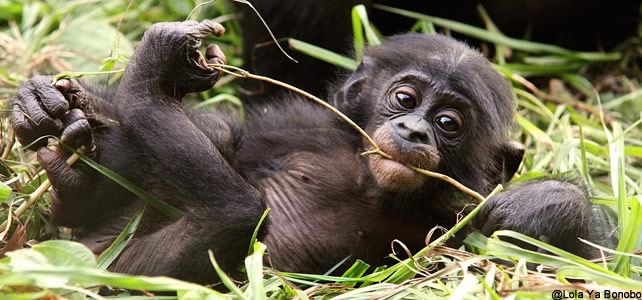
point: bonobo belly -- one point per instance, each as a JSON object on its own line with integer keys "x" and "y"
{"x": 323, "y": 211}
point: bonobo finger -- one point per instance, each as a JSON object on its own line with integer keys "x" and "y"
{"x": 73, "y": 93}
{"x": 41, "y": 121}
{"x": 215, "y": 55}
{"x": 65, "y": 86}
{"x": 490, "y": 218}
{"x": 50, "y": 97}
{"x": 494, "y": 221}
{"x": 77, "y": 130}
{"x": 23, "y": 129}
{"x": 61, "y": 175}
{"x": 31, "y": 104}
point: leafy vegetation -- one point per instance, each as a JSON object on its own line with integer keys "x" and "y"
{"x": 577, "y": 113}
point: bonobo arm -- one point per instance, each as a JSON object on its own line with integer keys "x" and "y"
{"x": 556, "y": 211}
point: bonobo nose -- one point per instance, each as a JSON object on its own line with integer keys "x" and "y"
{"x": 412, "y": 128}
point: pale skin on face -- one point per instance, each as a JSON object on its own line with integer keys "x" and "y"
{"x": 393, "y": 174}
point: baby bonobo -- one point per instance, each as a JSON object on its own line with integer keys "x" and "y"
{"x": 427, "y": 100}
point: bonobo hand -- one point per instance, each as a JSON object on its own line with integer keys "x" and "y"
{"x": 167, "y": 61}
{"x": 41, "y": 109}
{"x": 554, "y": 211}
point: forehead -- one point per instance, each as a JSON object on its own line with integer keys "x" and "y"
{"x": 441, "y": 63}
{"x": 437, "y": 56}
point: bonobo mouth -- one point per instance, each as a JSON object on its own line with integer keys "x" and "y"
{"x": 394, "y": 174}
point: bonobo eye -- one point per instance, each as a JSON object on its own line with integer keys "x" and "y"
{"x": 449, "y": 120}
{"x": 406, "y": 97}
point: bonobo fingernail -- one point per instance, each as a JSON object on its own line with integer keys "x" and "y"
{"x": 63, "y": 85}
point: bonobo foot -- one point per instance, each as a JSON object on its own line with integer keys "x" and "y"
{"x": 168, "y": 63}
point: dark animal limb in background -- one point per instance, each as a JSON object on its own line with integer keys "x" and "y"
{"x": 427, "y": 101}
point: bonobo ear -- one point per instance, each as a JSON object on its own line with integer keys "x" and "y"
{"x": 509, "y": 157}
{"x": 349, "y": 98}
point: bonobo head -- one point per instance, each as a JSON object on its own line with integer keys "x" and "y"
{"x": 432, "y": 102}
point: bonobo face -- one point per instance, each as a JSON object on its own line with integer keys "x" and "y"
{"x": 417, "y": 118}
{"x": 434, "y": 104}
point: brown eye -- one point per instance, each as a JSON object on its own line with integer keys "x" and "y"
{"x": 449, "y": 121}
{"x": 406, "y": 97}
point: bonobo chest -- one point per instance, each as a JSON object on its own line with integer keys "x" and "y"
{"x": 324, "y": 209}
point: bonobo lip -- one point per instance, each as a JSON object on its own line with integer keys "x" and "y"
{"x": 394, "y": 174}
{"x": 409, "y": 153}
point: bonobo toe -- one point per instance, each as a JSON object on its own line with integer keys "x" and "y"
{"x": 215, "y": 55}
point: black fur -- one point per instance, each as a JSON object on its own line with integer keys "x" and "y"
{"x": 328, "y": 202}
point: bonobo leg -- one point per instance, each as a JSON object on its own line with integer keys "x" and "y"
{"x": 179, "y": 163}
{"x": 554, "y": 211}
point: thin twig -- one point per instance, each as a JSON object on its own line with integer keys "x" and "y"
{"x": 450, "y": 180}
{"x": 11, "y": 140}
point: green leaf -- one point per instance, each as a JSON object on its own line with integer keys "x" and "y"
{"x": 108, "y": 64}
{"x": 91, "y": 37}
{"x": 90, "y": 276}
{"x": 26, "y": 258}
{"x": 66, "y": 253}
{"x": 5, "y": 192}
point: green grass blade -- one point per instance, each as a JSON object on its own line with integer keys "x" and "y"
{"x": 229, "y": 284}
{"x": 355, "y": 271}
{"x": 118, "y": 245}
{"x": 501, "y": 39}
{"x": 537, "y": 133}
{"x": 357, "y": 35}
{"x": 162, "y": 206}
{"x": 254, "y": 268}
{"x": 323, "y": 54}
{"x": 362, "y": 14}
{"x": 255, "y": 234}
